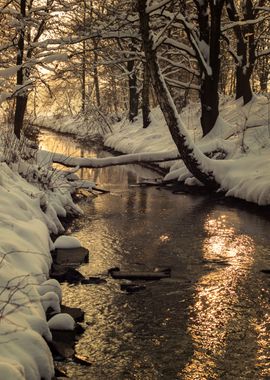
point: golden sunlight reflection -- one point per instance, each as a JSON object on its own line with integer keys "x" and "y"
{"x": 164, "y": 238}
{"x": 217, "y": 313}
{"x": 62, "y": 145}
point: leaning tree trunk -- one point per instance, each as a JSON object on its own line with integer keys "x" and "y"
{"x": 192, "y": 157}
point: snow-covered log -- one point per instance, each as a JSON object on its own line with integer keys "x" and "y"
{"x": 83, "y": 162}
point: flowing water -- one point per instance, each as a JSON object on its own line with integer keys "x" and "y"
{"x": 210, "y": 320}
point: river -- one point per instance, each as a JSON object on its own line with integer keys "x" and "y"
{"x": 210, "y": 320}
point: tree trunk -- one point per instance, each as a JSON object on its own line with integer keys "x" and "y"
{"x": 96, "y": 77}
{"x": 21, "y": 100}
{"x": 114, "y": 95}
{"x": 243, "y": 86}
{"x": 191, "y": 156}
{"x": 132, "y": 85}
{"x": 146, "y": 97}
{"x": 210, "y": 35}
{"x": 83, "y": 105}
{"x": 245, "y": 49}
{"x": 263, "y": 77}
{"x": 209, "y": 103}
{"x": 21, "y": 103}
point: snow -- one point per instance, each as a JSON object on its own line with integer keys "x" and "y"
{"x": 50, "y": 300}
{"x": 28, "y": 213}
{"x": 54, "y": 57}
{"x": 67, "y": 242}
{"x": 25, "y": 262}
{"x": 240, "y": 131}
{"x": 5, "y": 73}
{"x": 50, "y": 285}
{"x": 11, "y": 370}
{"x": 61, "y": 321}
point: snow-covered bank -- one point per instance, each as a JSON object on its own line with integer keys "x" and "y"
{"x": 241, "y": 133}
{"x": 80, "y": 127}
{"x": 241, "y": 136}
{"x": 27, "y": 216}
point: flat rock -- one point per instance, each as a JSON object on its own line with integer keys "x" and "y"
{"x": 75, "y": 312}
{"x": 71, "y": 256}
{"x": 62, "y": 344}
{"x": 65, "y": 336}
{"x": 60, "y": 350}
{"x": 64, "y": 273}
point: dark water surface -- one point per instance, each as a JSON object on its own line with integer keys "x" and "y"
{"x": 210, "y": 320}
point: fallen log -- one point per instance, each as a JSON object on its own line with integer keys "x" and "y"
{"x": 84, "y": 162}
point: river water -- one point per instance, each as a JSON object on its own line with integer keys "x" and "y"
{"x": 210, "y": 320}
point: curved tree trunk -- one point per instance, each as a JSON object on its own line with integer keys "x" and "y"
{"x": 193, "y": 158}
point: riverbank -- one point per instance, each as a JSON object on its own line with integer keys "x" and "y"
{"x": 32, "y": 198}
{"x": 239, "y": 146}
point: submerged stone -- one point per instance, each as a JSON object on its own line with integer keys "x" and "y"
{"x": 131, "y": 288}
{"x": 145, "y": 276}
{"x": 93, "y": 281}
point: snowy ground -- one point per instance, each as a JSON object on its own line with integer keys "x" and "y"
{"x": 28, "y": 213}
{"x": 242, "y": 132}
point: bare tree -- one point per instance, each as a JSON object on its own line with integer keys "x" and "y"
{"x": 248, "y": 22}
